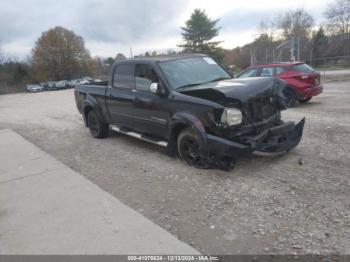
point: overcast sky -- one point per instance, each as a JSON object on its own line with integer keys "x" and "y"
{"x": 113, "y": 26}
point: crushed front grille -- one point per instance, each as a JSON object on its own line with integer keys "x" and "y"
{"x": 260, "y": 109}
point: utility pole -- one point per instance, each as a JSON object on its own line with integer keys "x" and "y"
{"x": 130, "y": 52}
{"x": 252, "y": 56}
{"x": 311, "y": 54}
{"x": 298, "y": 56}
{"x": 292, "y": 49}
{"x": 295, "y": 48}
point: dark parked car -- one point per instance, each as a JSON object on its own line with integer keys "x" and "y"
{"x": 192, "y": 106}
{"x": 44, "y": 86}
{"x": 51, "y": 86}
{"x": 303, "y": 82}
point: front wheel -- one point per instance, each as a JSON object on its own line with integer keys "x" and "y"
{"x": 188, "y": 149}
{"x": 97, "y": 128}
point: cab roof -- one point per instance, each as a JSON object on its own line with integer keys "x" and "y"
{"x": 160, "y": 58}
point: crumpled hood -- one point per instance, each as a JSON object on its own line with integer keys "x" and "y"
{"x": 238, "y": 90}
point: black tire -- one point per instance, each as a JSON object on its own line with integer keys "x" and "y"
{"x": 188, "y": 149}
{"x": 291, "y": 96}
{"x": 304, "y": 100}
{"x": 98, "y": 129}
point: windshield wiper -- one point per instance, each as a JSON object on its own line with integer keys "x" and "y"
{"x": 196, "y": 84}
{"x": 189, "y": 85}
{"x": 218, "y": 79}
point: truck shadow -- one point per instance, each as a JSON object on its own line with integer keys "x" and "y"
{"x": 136, "y": 142}
{"x": 246, "y": 165}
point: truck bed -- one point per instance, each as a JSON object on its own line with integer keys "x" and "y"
{"x": 95, "y": 90}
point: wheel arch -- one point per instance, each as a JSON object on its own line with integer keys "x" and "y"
{"x": 86, "y": 111}
{"x": 181, "y": 121}
{"x": 90, "y": 103}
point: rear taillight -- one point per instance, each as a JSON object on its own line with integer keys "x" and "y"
{"x": 303, "y": 78}
{"x": 309, "y": 79}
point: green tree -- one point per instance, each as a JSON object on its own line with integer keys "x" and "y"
{"x": 60, "y": 54}
{"x": 198, "y": 34}
{"x": 319, "y": 44}
{"x": 110, "y": 61}
{"x": 2, "y": 57}
{"x": 20, "y": 73}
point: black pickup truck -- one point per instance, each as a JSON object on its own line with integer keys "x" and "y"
{"x": 190, "y": 105}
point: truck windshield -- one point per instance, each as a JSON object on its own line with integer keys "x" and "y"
{"x": 192, "y": 71}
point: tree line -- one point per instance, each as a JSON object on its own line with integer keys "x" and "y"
{"x": 61, "y": 54}
{"x": 326, "y": 44}
{"x": 58, "y": 54}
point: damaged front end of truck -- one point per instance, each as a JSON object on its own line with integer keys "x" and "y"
{"x": 272, "y": 141}
{"x": 249, "y": 120}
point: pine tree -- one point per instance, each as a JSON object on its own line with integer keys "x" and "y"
{"x": 198, "y": 33}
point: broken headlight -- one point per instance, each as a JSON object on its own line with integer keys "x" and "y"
{"x": 231, "y": 117}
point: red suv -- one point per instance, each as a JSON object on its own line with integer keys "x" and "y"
{"x": 303, "y": 82}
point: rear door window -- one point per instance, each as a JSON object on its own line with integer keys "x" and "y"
{"x": 123, "y": 76}
{"x": 279, "y": 70}
{"x": 249, "y": 73}
{"x": 267, "y": 71}
{"x": 302, "y": 68}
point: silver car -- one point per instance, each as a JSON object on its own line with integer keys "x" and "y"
{"x": 61, "y": 84}
{"x": 83, "y": 82}
{"x": 33, "y": 88}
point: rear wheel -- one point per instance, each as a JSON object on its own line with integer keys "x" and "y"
{"x": 188, "y": 149}
{"x": 304, "y": 100}
{"x": 97, "y": 128}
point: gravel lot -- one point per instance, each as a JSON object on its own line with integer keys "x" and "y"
{"x": 294, "y": 204}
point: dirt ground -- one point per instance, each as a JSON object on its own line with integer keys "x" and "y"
{"x": 294, "y": 204}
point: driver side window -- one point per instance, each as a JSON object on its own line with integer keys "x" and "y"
{"x": 145, "y": 76}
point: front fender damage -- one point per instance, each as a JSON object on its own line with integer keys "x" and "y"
{"x": 276, "y": 140}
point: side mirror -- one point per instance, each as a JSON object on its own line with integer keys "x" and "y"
{"x": 154, "y": 88}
